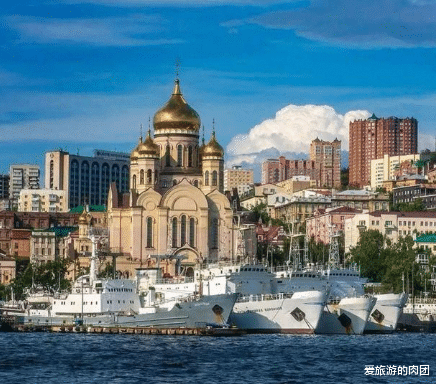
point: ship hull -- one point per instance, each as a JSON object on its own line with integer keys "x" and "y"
{"x": 183, "y": 314}
{"x": 386, "y": 313}
{"x": 296, "y": 313}
{"x": 349, "y": 316}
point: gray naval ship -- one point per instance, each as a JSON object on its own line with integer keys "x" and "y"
{"x": 119, "y": 302}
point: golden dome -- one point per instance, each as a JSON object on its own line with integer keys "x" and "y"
{"x": 176, "y": 113}
{"x": 83, "y": 218}
{"x": 212, "y": 148}
{"x": 147, "y": 147}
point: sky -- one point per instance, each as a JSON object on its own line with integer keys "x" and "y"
{"x": 273, "y": 74}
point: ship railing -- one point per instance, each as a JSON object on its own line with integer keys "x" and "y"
{"x": 264, "y": 297}
{"x": 176, "y": 280}
{"x": 422, "y": 300}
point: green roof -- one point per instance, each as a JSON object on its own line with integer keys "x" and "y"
{"x": 59, "y": 231}
{"x": 92, "y": 208}
{"x": 427, "y": 238}
{"x": 373, "y": 117}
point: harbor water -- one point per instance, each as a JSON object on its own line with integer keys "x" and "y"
{"x": 89, "y": 358}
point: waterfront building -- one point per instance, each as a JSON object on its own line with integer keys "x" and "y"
{"x": 276, "y": 170}
{"x": 42, "y": 200}
{"x": 326, "y": 222}
{"x": 22, "y": 176}
{"x": 237, "y": 177}
{"x": 327, "y": 157}
{"x": 176, "y": 204}
{"x": 49, "y": 245}
{"x": 7, "y": 268}
{"x": 299, "y": 208}
{"x": 361, "y": 199}
{"x": 390, "y": 224}
{"x": 86, "y": 179}
{"x": 375, "y": 137}
{"x": 410, "y": 193}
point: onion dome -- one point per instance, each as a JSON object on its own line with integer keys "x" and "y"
{"x": 83, "y": 218}
{"x": 145, "y": 148}
{"x": 212, "y": 148}
{"x": 135, "y": 154}
{"x": 176, "y": 113}
{"x": 148, "y": 147}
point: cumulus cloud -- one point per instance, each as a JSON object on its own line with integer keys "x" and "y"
{"x": 361, "y": 24}
{"x": 290, "y": 133}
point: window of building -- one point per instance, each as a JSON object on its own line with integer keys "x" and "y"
{"x": 149, "y": 232}
{"x": 214, "y": 178}
{"x": 206, "y": 178}
{"x": 183, "y": 230}
{"x": 174, "y": 228}
{"x": 179, "y": 155}
{"x": 192, "y": 232}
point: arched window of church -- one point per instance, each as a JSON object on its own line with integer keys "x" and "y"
{"x": 196, "y": 183}
{"x": 183, "y": 230}
{"x": 141, "y": 177}
{"x": 134, "y": 182}
{"x": 155, "y": 176}
{"x": 167, "y": 156}
{"x": 179, "y": 155}
{"x": 206, "y": 178}
{"x": 214, "y": 178}
{"x": 192, "y": 232}
{"x": 149, "y": 232}
{"x": 174, "y": 182}
{"x": 174, "y": 232}
{"x": 149, "y": 176}
{"x": 214, "y": 234}
{"x": 189, "y": 156}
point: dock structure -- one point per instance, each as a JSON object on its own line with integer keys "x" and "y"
{"x": 202, "y": 331}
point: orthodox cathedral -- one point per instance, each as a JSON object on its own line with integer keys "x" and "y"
{"x": 176, "y": 205}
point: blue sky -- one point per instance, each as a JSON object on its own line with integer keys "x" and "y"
{"x": 84, "y": 74}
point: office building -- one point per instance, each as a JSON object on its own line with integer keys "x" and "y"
{"x": 86, "y": 179}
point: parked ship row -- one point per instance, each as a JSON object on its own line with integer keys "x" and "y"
{"x": 250, "y": 297}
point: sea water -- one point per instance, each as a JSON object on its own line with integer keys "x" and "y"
{"x": 92, "y": 358}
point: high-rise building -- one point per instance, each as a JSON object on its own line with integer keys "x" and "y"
{"x": 4, "y": 186}
{"x": 327, "y": 156}
{"x": 375, "y": 137}
{"x": 276, "y": 170}
{"x": 86, "y": 179}
{"x": 237, "y": 177}
{"x": 22, "y": 176}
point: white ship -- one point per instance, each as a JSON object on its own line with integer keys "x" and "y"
{"x": 347, "y": 311}
{"x": 260, "y": 308}
{"x": 121, "y": 302}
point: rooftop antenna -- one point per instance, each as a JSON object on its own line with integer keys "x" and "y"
{"x": 149, "y": 124}
{"x": 141, "y": 132}
{"x": 213, "y": 126}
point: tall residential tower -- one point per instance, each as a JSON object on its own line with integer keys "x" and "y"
{"x": 375, "y": 137}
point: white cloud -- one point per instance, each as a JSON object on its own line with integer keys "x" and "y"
{"x": 293, "y": 129}
{"x": 132, "y": 30}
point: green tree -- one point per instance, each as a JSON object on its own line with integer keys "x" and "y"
{"x": 370, "y": 254}
{"x": 49, "y": 276}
